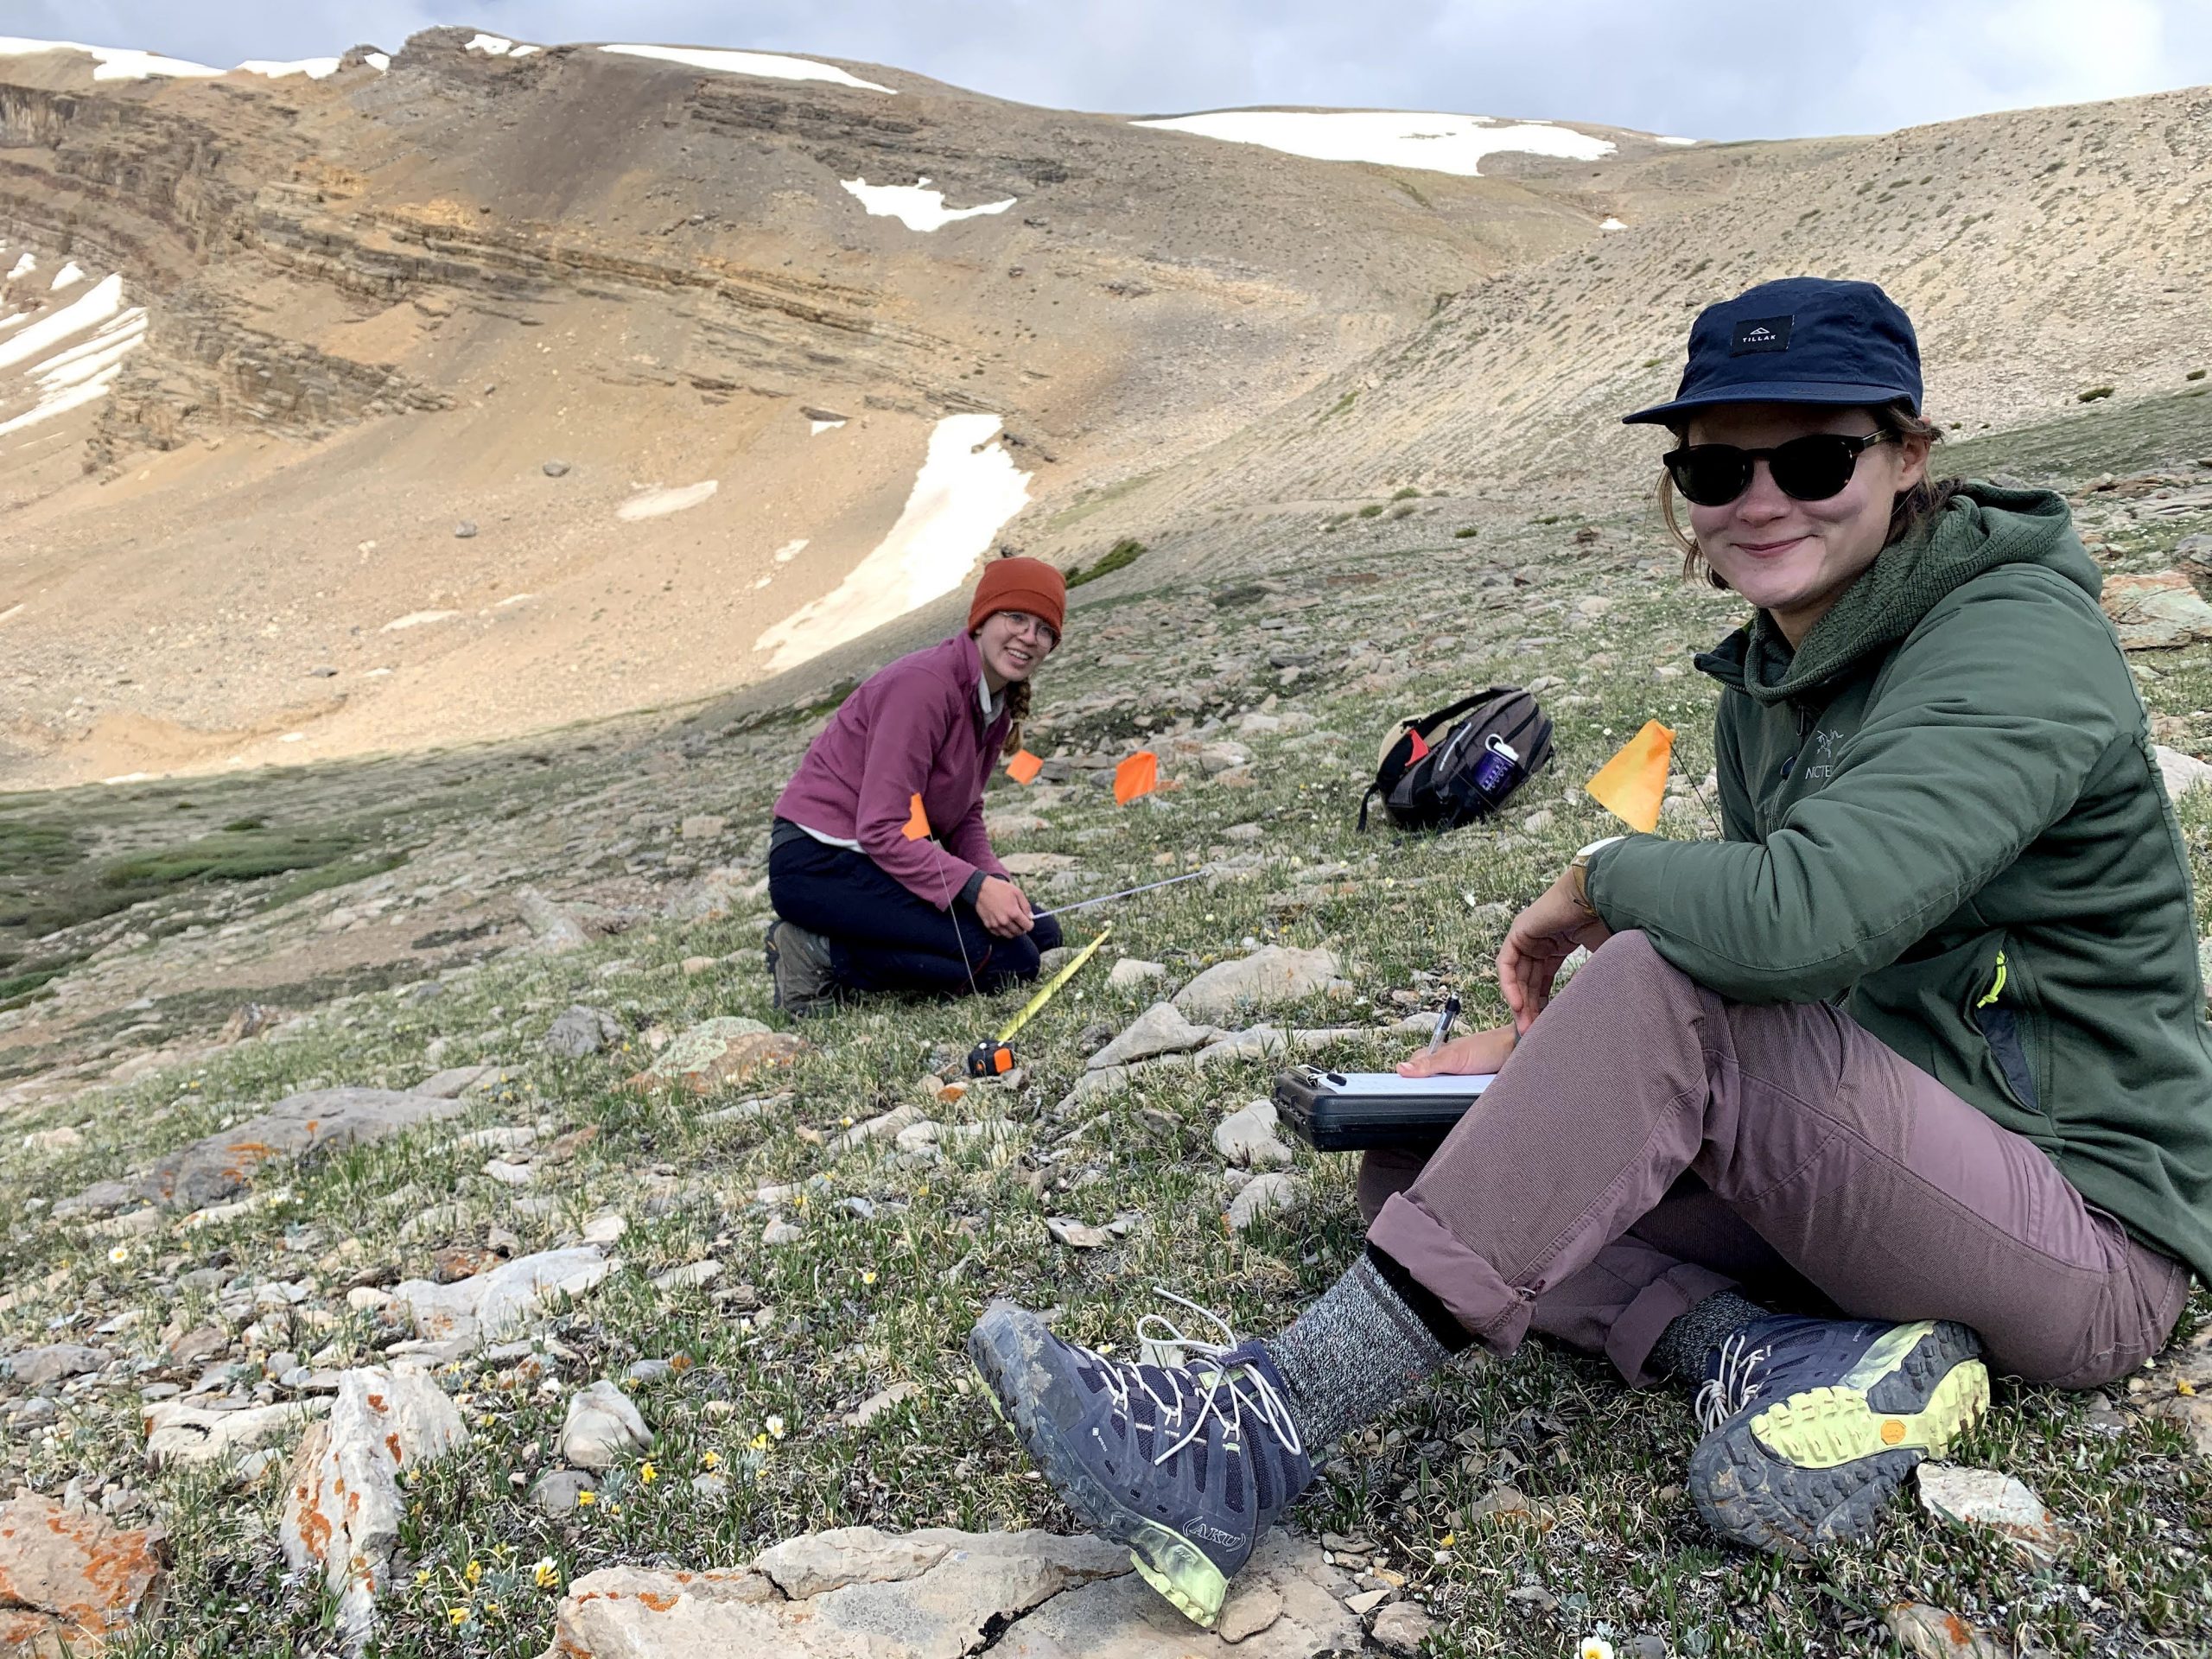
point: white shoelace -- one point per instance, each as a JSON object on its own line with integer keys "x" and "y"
{"x": 1722, "y": 1396}
{"x": 1226, "y": 1398}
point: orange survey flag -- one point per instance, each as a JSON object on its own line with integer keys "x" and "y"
{"x": 1633, "y": 783}
{"x": 1023, "y": 768}
{"x": 1138, "y": 775}
{"x": 917, "y": 821}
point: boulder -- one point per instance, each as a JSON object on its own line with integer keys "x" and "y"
{"x": 602, "y": 1428}
{"x": 1247, "y": 1138}
{"x": 556, "y": 928}
{"x": 1273, "y": 973}
{"x": 2156, "y": 611}
{"x": 69, "y": 1579}
{"x": 718, "y": 1054}
{"x": 303, "y": 1126}
{"x": 343, "y": 1509}
{"x": 583, "y": 1030}
{"x": 500, "y": 1303}
{"x": 941, "y": 1593}
{"x": 179, "y": 1434}
{"x": 1163, "y": 1028}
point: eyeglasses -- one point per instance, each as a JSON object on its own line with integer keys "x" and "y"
{"x": 1810, "y": 468}
{"x": 1020, "y": 622}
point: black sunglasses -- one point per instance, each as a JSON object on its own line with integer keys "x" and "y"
{"x": 1810, "y": 468}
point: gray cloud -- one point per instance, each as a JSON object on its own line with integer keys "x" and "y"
{"x": 1712, "y": 69}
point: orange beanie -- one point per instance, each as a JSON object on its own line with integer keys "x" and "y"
{"x": 1028, "y": 585}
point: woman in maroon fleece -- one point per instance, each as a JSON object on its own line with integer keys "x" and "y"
{"x": 871, "y": 896}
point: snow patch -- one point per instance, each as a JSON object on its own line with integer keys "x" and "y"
{"x": 13, "y": 610}
{"x": 108, "y": 62}
{"x": 313, "y": 68}
{"x": 790, "y": 550}
{"x": 773, "y": 65}
{"x": 967, "y": 488}
{"x": 1437, "y": 142}
{"x": 72, "y": 272}
{"x": 24, "y": 267}
{"x": 914, "y": 206}
{"x": 815, "y": 428}
{"x": 1673, "y": 141}
{"x": 656, "y": 504}
{"x": 514, "y": 599}
{"x": 416, "y": 618}
{"x": 90, "y": 309}
{"x": 1609, "y": 223}
{"x": 494, "y": 45}
{"x": 380, "y": 61}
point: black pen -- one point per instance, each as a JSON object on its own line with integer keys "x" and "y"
{"x": 1444, "y": 1016}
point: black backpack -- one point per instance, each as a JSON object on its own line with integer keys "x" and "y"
{"x": 1431, "y": 778}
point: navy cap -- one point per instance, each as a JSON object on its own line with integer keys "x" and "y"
{"x": 1803, "y": 340}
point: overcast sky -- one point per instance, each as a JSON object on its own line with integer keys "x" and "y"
{"x": 1704, "y": 68}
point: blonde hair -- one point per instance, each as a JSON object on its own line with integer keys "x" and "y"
{"x": 1914, "y": 508}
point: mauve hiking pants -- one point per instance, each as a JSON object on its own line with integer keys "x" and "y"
{"x": 883, "y": 939}
{"x": 1649, "y": 1144}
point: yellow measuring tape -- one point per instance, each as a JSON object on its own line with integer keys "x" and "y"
{"x": 1052, "y": 985}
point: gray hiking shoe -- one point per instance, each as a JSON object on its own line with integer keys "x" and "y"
{"x": 798, "y": 961}
{"x": 1188, "y": 1464}
{"x": 1812, "y": 1425}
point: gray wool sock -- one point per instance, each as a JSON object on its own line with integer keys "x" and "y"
{"x": 1689, "y": 1338}
{"x": 1353, "y": 1355}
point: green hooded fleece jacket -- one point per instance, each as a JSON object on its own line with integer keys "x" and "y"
{"x": 1942, "y": 812}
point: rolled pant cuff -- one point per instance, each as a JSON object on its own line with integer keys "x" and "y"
{"x": 1496, "y": 1314}
{"x": 1658, "y": 1304}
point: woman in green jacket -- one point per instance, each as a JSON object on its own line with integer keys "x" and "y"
{"x": 1915, "y": 1053}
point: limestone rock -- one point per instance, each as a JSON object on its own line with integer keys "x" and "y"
{"x": 1012, "y": 826}
{"x": 1132, "y": 972}
{"x": 35, "y": 1368}
{"x": 718, "y": 1054}
{"x": 1401, "y": 1627}
{"x": 498, "y": 1303}
{"x": 556, "y": 928}
{"x": 343, "y": 1510}
{"x": 941, "y": 1593}
{"x": 1163, "y": 1028}
{"x": 876, "y": 1404}
{"x": 1247, "y": 1139}
{"x": 1984, "y": 1497}
{"x": 302, "y": 1126}
{"x": 558, "y": 1490}
{"x": 1263, "y": 1195}
{"x": 1251, "y": 1608}
{"x": 2180, "y": 773}
{"x": 1037, "y": 863}
{"x": 70, "y": 1577}
{"x": 1076, "y": 1235}
{"x": 1933, "y": 1633}
{"x": 176, "y": 1433}
{"x": 1273, "y": 973}
{"x": 2156, "y": 611}
{"x": 602, "y": 1428}
{"x": 583, "y": 1030}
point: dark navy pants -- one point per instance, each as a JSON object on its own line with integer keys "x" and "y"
{"x": 883, "y": 939}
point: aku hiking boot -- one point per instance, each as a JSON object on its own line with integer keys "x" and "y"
{"x": 1812, "y": 1424}
{"x": 1186, "y": 1464}
{"x": 798, "y": 962}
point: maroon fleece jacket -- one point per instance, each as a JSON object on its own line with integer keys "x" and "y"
{"x": 915, "y": 728}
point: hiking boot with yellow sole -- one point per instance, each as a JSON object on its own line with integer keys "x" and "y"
{"x": 1812, "y": 1425}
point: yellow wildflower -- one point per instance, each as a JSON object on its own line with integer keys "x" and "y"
{"x": 1594, "y": 1647}
{"x": 868, "y": 1275}
{"x": 709, "y": 1459}
{"x": 760, "y": 1442}
{"x": 585, "y": 1499}
{"x": 648, "y": 1473}
{"x": 456, "y": 1616}
{"x": 546, "y": 1572}
{"x": 474, "y": 1571}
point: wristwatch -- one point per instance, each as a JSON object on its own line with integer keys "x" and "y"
{"x": 1578, "y": 873}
